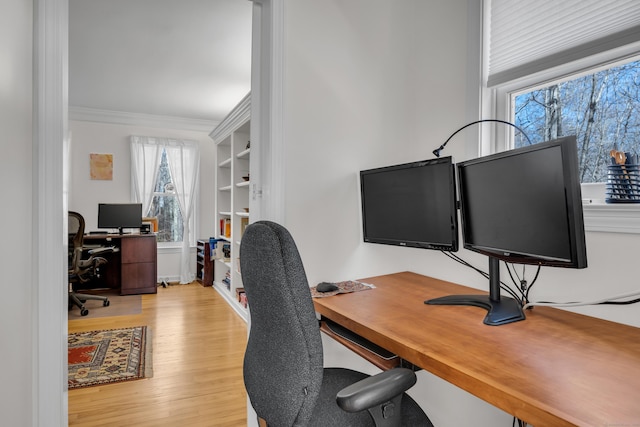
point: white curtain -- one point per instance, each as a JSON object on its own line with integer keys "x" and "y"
{"x": 146, "y": 155}
{"x": 184, "y": 162}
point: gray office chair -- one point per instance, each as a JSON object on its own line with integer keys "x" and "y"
{"x": 82, "y": 270}
{"x": 283, "y": 364}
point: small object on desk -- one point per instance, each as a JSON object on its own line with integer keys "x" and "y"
{"x": 326, "y": 287}
{"x": 345, "y": 287}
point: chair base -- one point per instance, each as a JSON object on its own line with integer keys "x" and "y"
{"x": 79, "y": 299}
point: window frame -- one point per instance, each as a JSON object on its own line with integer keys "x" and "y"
{"x": 497, "y": 103}
{"x": 170, "y": 247}
{"x": 165, "y": 247}
{"x": 193, "y": 220}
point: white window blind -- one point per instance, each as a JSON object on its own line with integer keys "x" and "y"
{"x": 528, "y": 36}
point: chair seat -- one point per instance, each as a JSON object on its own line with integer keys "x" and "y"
{"x": 328, "y": 413}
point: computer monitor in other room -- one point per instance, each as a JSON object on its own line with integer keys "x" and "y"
{"x": 119, "y": 215}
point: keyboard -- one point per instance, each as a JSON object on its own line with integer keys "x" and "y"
{"x": 358, "y": 340}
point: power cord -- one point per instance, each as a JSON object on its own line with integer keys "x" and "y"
{"x": 524, "y": 288}
{"x": 609, "y": 300}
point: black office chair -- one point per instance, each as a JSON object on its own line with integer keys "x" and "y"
{"x": 283, "y": 364}
{"x": 82, "y": 270}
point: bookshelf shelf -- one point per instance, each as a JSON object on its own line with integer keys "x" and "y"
{"x": 243, "y": 154}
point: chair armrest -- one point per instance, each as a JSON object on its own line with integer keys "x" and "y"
{"x": 101, "y": 250}
{"x": 376, "y": 389}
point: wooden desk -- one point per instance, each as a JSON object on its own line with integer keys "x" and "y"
{"x": 555, "y": 368}
{"x": 134, "y": 267}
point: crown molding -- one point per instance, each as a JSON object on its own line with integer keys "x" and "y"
{"x": 140, "y": 119}
{"x": 238, "y": 116}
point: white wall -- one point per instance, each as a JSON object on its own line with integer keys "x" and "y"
{"x": 371, "y": 83}
{"x": 16, "y": 306}
{"x": 105, "y": 138}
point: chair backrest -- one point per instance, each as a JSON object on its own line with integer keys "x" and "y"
{"x": 283, "y": 360}
{"x": 75, "y": 230}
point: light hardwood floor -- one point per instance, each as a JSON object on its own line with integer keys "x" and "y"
{"x": 198, "y": 348}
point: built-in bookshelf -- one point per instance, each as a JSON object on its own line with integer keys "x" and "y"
{"x": 232, "y": 187}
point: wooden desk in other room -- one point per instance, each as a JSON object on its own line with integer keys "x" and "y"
{"x": 556, "y": 368}
{"x": 133, "y": 268}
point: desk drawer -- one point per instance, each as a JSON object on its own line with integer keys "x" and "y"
{"x": 139, "y": 278}
{"x": 138, "y": 249}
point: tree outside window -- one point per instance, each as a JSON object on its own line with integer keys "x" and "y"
{"x": 165, "y": 205}
{"x": 602, "y": 109}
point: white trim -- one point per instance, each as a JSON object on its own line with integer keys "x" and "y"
{"x": 278, "y": 143}
{"x": 239, "y": 115}
{"x": 49, "y": 317}
{"x": 140, "y": 119}
{"x": 267, "y": 117}
{"x": 612, "y": 218}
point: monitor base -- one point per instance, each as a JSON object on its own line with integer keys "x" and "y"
{"x": 500, "y": 312}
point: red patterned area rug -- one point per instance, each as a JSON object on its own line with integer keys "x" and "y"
{"x": 109, "y": 356}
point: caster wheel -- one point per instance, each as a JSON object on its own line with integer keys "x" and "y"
{"x": 83, "y": 301}
{"x": 105, "y": 303}
{"x": 84, "y": 312}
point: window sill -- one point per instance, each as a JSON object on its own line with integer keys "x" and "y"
{"x": 608, "y": 217}
{"x": 611, "y": 218}
{"x": 168, "y": 248}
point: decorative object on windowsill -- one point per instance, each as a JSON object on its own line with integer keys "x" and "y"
{"x": 623, "y": 178}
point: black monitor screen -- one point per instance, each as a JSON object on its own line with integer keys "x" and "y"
{"x": 412, "y": 204}
{"x": 119, "y": 215}
{"x": 525, "y": 205}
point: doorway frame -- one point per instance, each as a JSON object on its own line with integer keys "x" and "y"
{"x": 50, "y": 143}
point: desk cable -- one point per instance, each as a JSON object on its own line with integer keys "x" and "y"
{"x": 525, "y": 288}
{"x": 609, "y": 300}
{"x": 514, "y": 294}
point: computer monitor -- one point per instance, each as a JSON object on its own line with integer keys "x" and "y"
{"x": 119, "y": 215}
{"x": 522, "y": 206}
{"x": 411, "y": 204}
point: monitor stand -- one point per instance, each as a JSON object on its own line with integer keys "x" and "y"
{"x": 501, "y": 310}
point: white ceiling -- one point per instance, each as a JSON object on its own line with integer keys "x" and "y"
{"x": 188, "y": 59}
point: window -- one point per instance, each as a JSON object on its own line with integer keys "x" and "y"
{"x": 601, "y": 108}
{"x": 554, "y": 72}
{"x": 165, "y": 205}
{"x": 164, "y": 175}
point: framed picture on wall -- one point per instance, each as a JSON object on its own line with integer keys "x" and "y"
{"x": 101, "y": 166}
